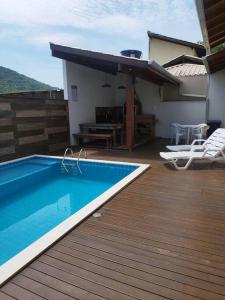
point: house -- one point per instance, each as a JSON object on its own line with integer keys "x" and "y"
{"x": 173, "y": 92}
{"x": 163, "y": 48}
{"x": 188, "y": 68}
{"x": 191, "y": 72}
{"x": 98, "y": 76}
{"x": 211, "y": 16}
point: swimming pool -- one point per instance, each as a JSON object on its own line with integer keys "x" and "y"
{"x": 41, "y": 200}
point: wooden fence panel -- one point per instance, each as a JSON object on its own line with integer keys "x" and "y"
{"x": 32, "y": 126}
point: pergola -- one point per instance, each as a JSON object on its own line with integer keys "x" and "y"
{"x": 212, "y": 20}
{"x": 113, "y": 64}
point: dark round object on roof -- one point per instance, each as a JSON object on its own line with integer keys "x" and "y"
{"x": 131, "y": 53}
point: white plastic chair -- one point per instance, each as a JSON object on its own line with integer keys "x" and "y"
{"x": 177, "y": 132}
{"x": 199, "y": 131}
{"x": 197, "y": 144}
{"x": 213, "y": 149}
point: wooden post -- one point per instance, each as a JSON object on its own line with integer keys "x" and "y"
{"x": 130, "y": 112}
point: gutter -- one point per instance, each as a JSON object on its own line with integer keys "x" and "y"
{"x": 163, "y": 73}
{"x": 201, "y": 17}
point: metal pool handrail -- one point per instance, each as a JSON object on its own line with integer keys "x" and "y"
{"x": 64, "y": 165}
{"x": 85, "y": 154}
{"x": 78, "y": 159}
{"x": 64, "y": 157}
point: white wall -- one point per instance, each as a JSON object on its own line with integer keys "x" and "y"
{"x": 191, "y": 88}
{"x": 184, "y": 112}
{"x": 217, "y": 96}
{"x": 90, "y": 93}
{"x": 194, "y": 85}
{"x": 164, "y": 51}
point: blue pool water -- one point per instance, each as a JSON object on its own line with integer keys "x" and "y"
{"x": 37, "y": 194}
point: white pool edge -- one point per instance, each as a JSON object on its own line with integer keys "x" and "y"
{"x": 19, "y": 261}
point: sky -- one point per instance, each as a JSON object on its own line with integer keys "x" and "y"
{"x": 27, "y": 27}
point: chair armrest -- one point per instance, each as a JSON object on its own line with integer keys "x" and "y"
{"x": 197, "y": 141}
{"x": 212, "y": 149}
{"x": 193, "y": 149}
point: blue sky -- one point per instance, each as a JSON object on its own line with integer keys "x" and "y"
{"x": 27, "y": 27}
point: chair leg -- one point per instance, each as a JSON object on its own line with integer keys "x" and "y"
{"x": 185, "y": 167}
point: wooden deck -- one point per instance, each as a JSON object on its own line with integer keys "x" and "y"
{"x": 163, "y": 237}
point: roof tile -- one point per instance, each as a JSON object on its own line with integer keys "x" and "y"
{"x": 183, "y": 70}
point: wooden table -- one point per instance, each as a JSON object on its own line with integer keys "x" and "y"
{"x": 114, "y": 127}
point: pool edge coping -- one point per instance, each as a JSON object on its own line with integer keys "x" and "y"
{"x": 30, "y": 253}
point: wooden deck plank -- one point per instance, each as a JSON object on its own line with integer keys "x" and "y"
{"x": 163, "y": 233}
{"x": 161, "y": 253}
{"x": 114, "y": 288}
{"x": 141, "y": 264}
{"x": 20, "y": 292}
{"x": 160, "y": 248}
{"x": 160, "y": 238}
{"x": 131, "y": 268}
{"x": 168, "y": 268}
{"x": 57, "y": 287}
{"x": 119, "y": 275}
{"x": 156, "y": 219}
{"x": 4, "y": 296}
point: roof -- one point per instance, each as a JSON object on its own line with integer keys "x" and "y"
{"x": 147, "y": 70}
{"x": 216, "y": 62}
{"x": 184, "y": 58}
{"x": 183, "y": 70}
{"x": 211, "y": 15}
{"x": 200, "y": 50}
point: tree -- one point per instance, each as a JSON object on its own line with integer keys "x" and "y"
{"x": 218, "y": 48}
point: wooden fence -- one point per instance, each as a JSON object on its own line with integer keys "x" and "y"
{"x": 32, "y": 126}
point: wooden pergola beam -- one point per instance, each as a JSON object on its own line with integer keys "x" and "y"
{"x": 217, "y": 29}
{"x": 216, "y": 61}
{"x": 211, "y": 15}
{"x": 217, "y": 19}
{"x": 214, "y": 9}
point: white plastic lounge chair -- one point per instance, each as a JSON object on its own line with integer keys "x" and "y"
{"x": 199, "y": 146}
{"x": 213, "y": 150}
{"x": 192, "y": 147}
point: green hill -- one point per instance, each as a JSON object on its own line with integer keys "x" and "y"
{"x": 11, "y": 81}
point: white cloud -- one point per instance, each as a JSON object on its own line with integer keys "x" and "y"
{"x": 104, "y": 25}
{"x": 130, "y": 17}
{"x": 63, "y": 38}
{"x": 120, "y": 25}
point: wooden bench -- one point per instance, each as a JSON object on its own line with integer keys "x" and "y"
{"x": 95, "y": 136}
